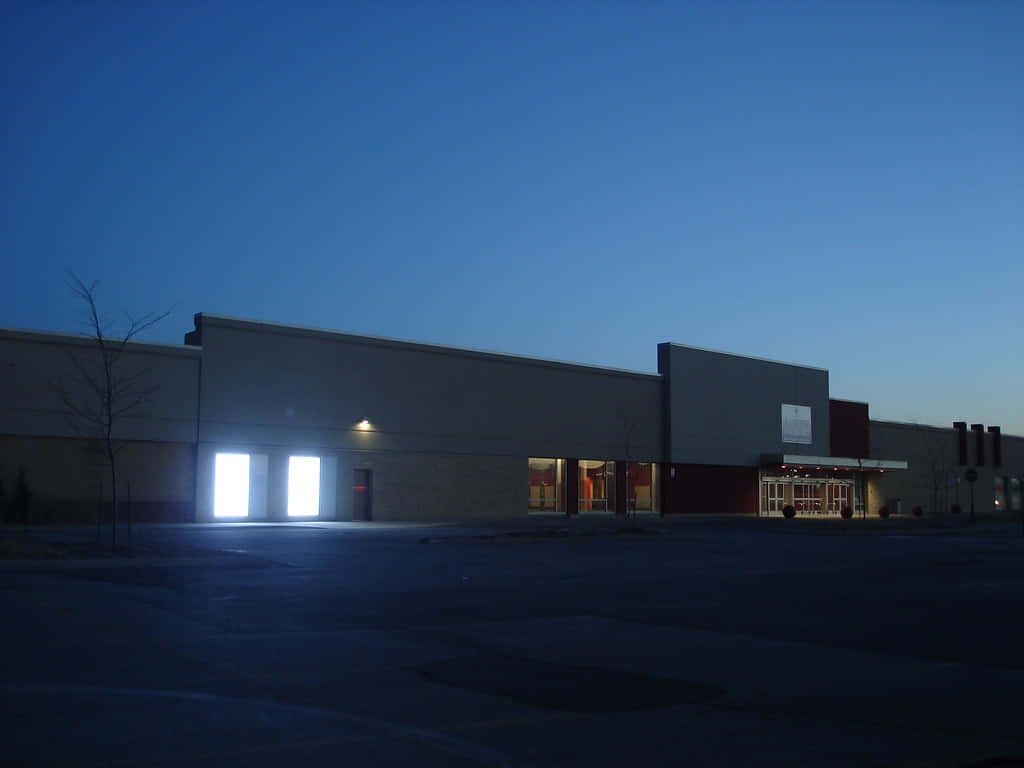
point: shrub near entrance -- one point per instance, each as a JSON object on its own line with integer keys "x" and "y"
{"x": 847, "y": 513}
{"x": 789, "y": 511}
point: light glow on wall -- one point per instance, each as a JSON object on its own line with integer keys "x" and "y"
{"x": 303, "y": 486}
{"x": 231, "y": 485}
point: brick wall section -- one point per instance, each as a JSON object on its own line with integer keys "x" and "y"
{"x": 431, "y": 487}
{"x": 68, "y": 478}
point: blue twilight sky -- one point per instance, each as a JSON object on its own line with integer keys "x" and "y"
{"x": 836, "y": 184}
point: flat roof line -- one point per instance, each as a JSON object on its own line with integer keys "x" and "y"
{"x": 911, "y": 425}
{"x": 55, "y": 337}
{"x": 745, "y": 357}
{"x": 425, "y": 346}
{"x": 935, "y": 427}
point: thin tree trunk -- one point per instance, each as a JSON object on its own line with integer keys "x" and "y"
{"x": 128, "y": 511}
{"x": 113, "y": 496}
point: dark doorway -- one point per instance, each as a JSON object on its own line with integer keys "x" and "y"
{"x": 362, "y": 494}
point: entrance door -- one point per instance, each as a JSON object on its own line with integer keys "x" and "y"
{"x": 773, "y": 498}
{"x": 362, "y": 494}
{"x": 814, "y": 495}
{"x": 839, "y": 497}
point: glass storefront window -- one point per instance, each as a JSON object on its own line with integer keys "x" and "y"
{"x": 999, "y": 493}
{"x": 547, "y": 485}
{"x": 642, "y": 487}
{"x": 596, "y": 486}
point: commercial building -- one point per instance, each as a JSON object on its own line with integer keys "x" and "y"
{"x": 263, "y": 421}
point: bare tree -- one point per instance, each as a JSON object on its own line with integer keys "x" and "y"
{"x": 937, "y": 452}
{"x": 102, "y": 389}
{"x": 628, "y": 427}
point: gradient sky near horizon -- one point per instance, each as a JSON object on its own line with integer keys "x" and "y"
{"x": 834, "y": 184}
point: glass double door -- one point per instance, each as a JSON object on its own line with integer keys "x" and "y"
{"x": 807, "y": 495}
{"x": 609, "y": 486}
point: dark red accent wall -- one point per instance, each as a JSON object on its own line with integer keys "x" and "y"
{"x": 706, "y": 489}
{"x": 848, "y": 429}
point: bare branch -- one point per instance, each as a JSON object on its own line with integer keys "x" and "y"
{"x": 127, "y": 383}
{"x": 85, "y": 376}
{"x": 111, "y": 392}
{"x": 127, "y": 407}
{"x": 137, "y": 325}
{"x": 79, "y": 412}
{"x": 87, "y": 293}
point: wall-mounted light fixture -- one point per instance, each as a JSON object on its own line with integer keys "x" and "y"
{"x": 364, "y": 424}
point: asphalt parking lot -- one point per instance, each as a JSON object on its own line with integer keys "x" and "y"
{"x": 706, "y": 642}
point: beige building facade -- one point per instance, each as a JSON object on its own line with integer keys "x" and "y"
{"x": 260, "y": 421}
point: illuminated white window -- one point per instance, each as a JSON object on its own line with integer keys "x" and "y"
{"x": 303, "y": 486}
{"x": 231, "y": 485}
